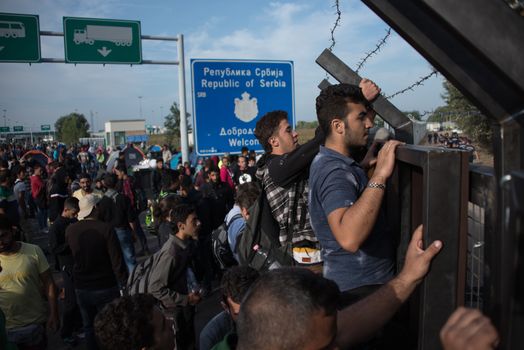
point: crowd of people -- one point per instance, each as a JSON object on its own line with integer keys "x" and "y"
{"x": 338, "y": 286}
{"x": 453, "y": 140}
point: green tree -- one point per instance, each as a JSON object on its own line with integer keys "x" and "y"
{"x": 172, "y": 123}
{"x": 469, "y": 119}
{"x": 415, "y": 115}
{"x": 439, "y": 115}
{"x": 71, "y": 127}
{"x": 302, "y": 124}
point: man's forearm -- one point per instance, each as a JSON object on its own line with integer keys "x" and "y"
{"x": 50, "y": 292}
{"x": 357, "y": 221}
{"x": 51, "y": 299}
{"x": 360, "y": 321}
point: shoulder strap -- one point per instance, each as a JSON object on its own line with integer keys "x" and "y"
{"x": 112, "y": 195}
{"x": 235, "y": 217}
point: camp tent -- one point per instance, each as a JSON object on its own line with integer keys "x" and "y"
{"x": 155, "y": 148}
{"x": 37, "y": 156}
{"x": 134, "y": 155}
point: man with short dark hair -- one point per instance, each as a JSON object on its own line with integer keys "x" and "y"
{"x": 8, "y": 201}
{"x": 243, "y": 173}
{"x": 25, "y": 283}
{"x": 115, "y": 208}
{"x": 20, "y": 190}
{"x": 134, "y": 322}
{"x": 56, "y": 190}
{"x": 221, "y": 328}
{"x": 39, "y": 194}
{"x": 59, "y": 247}
{"x": 156, "y": 178}
{"x": 284, "y": 171}
{"x": 98, "y": 269}
{"x": 294, "y": 308}
{"x": 85, "y": 186}
{"x": 170, "y": 183}
{"x": 345, "y": 205}
{"x": 235, "y": 220}
{"x": 168, "y": 281}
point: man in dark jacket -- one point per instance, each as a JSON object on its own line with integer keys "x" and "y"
{"x": 57, "y": 190}
{"x": 168, "y": 281}
{"x": 98, "y": 265}
{"x": 116, "y": 209}
{"x": 59, "y": 247}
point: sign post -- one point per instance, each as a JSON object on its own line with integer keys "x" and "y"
{"x": 230, "y": 96}
{"x": 19, "y": 38}
{"x": 91, "y": 40}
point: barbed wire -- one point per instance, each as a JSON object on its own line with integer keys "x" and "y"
{"x": 419, "y": 82}
{"x": 458, "y": 113}
{"x": 335, "y": 25}
{"x": 375, "y": 50}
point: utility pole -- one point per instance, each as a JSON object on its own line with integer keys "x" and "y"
{"x": 140, "y": 105}
{"x": 92, "y": 122}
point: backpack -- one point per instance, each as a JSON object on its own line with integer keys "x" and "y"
{"x": 138, "y": 281}
{"x": 262, "y": 230}
{"x": 112, "y": 196}
{"x": 221, "y": 249}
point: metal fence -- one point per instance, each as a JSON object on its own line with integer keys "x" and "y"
{"x": 430, "y": 187}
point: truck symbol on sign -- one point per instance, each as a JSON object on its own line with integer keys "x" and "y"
{"x": 12, "y": 29}
{"x": 120, "y": 36}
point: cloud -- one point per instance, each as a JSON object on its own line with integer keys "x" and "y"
{"x": 297, "y": 31}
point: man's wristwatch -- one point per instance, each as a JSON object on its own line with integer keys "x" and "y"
{"x": 376, "y": 185}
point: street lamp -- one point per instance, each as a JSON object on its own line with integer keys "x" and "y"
{"x": 140, "y": 104}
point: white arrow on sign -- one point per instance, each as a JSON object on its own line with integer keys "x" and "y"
{"x": 1, "y": 48}
{"x": 104, "y": 51}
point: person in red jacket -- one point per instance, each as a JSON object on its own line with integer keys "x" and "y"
{"x": 38, "y": 192}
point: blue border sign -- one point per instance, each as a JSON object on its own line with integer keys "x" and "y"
{"x": 230, "y": 96}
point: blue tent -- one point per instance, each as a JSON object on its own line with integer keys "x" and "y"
{"x": 155, "y": 148}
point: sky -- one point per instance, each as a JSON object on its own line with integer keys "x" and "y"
{"x": 298, "y": 31}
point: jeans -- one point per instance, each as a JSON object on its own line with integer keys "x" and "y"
{"x": 128, "y": 247}
{"x": 141, "y": 236}
{"x": 41, "y": 216}
{"x": 70, "y": 311}
{"x": 90, "y": 303}
{"x": 30, "y": 337}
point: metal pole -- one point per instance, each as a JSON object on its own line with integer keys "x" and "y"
{"x": 140, "y": 104}
{"x": 31, "y": 131}
{"x": 182, "y": 97}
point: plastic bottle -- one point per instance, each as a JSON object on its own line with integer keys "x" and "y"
{"x": 269, "y": 263}
{"x": 149, "y": 218}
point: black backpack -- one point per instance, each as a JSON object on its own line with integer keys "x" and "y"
{"x": 263, "y": 230}
{"x": 138, "y": 280}
{"x": 221, "y": 249}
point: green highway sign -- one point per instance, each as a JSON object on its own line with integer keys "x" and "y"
{"x": 92, "y": 40}
{"x": 19, "y": 38}
{"x": 18, "y": 128}
{"x": 4, "y": 129}
{"x": 46, "y": 127}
